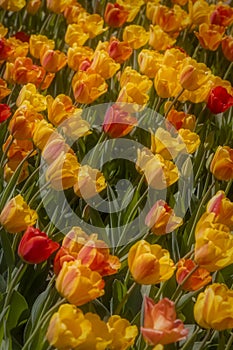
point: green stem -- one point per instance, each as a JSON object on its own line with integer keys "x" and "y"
{"x": 126, "y": 296}
{"x": 14, "y": 282}
{"x": 42, "y": 322}
{"x": 229, "y": 343}
{"x": 228, "y": 70}
{"x": 228, "y": 187}
{"x": 174, "y": 101}
{"x": 46, "y": 185}
{"x": 204, "y": 341}
{"x": 187, "y": 344}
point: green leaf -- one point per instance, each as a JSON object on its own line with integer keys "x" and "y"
{"x": 17, "y": 307}
{"x": 7, "y": 249}
{"x": 118, "y": 292}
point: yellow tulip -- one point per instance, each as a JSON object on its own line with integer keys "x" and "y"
{"x": 190, "y": 139}
{"x": 193, "y": 74}
{"x": 150, "y": 264}
{"x": 78, "y": 284}
{"x": 16, "y": 216}
{"x": 92, "y": 24}
{"x": 68, "y": 327}
{"x": 158, "y": 39}
{"x": 75, "y": 35}
{"x": 149, "y": 62}
{"x": 214, "y": 307}
{"x": 60, "y": 108}
{"x": 42, "y": 132}
{"x": 210, "y": 36}
{"x": 29, "y": 93}
{"x": 166, "y": 82}
{"x": 62, "y": 172}
{"x": 136, "y": 36}
{"x": 123, "y": 334}
{"x": 77, "y": 54}
{"x": 132, "y": 7}
{"x": 103, "y": 64}
{"x": 222, "y": 163}
{"x": 12, "y": 5}
{"x": 130, "y": 75}
{"x": 37, "y": 42}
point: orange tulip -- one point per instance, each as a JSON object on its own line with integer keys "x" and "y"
{"x": 52, "y": 60}
{"x": 222, "y": 15}
{"x": 115, "y": 15}
{"x": 210, "y": 36}
{"x": 33, "y": 6}
{"x": 162, "y": 219}
{"x": 120, "y": 51}
{"x": 4, "y": 91}
{"x": 198, "y": 279}
{"x": 77, "y": 54}
{"x": 160, "y": 323}
{"x": 180, "y": 119}
{"x": 222, "y": 207}
{"x": 227, "y": 47}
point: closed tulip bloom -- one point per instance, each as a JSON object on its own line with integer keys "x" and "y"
{"x": 5, "y": 112}
{"x": 23, "y": 121}
{"x": 72, "y": 12}
{"x": 198, "y": 279}
{"x": 180, "y": 119}
{"x": 214, "y": 307}
{"x": 115, "y": 15}
{"x": 77, "y": 54}
{"x": 227, "y": 47}
{"x": 42, "y": 133}
{"x": 210, "y": 36}
{"x": 89, "y": 183}
{"x": 136, "y": 36}
{"x": 75, "y": 35}
{"x": 193, "y": 74}
{"x": 58, "y": 6}
{"x": 35, "y": 246}
{"x": 118, "y": 122}
{"x": 150, "y": 264}
{"x": 37, "y": 42}
{"x": 222, "y": 163}
{"x": 190, "y": 139}
{"x": 88, "y": 87}
{"x": 103, "y": 64}
{"x": 214, "y": 247}
{"x": 33, "y": 6}
{"x": 160, "y": 323}
{"x": 60, "y": 108}
{"x": 75, "y": 127}
{"x": 122, "y": 332}
{"x": 54, "y": 147}
{"x": 161, "y": 219}
{"x": 78, "y": 284}
{"x": 166, "y": 82}
{"x": 222, "y": 15}
{"x": 68, "y": 328}
{"x": 199, "y": 11}
{"x": 52, "y": 60}
{"x": 120, "y": 51}
{"x": 62, "y": 172}
{"x": 12, "y": 5}
{"x": 219, "y": 100}
{"x": 149, "y": 62}
{"x": 222, "y": 207}
{"x": 16, "y": 216}
{"x": 158, "y": 39}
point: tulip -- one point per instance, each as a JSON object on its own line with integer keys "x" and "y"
{"x": 219, "y": 100}
{"x": 16, "y": 216}
{"x": 78, "y": 284}
{"x": 37, "y": 42}
{"x": 214, "y": 307}
{"x": 18, "y": 48}
{"x": 12, "y": 5}
{"x": 149, "y": 62}
{"x": 42, "y": 133}
{"x": 5, "y": 49}
{"x": 5, "y": 112}
{"x": 30, "y": 94}
{"x": 4, "y": 91}
{"x": 131, "y": 93}
{"x": 158, "y": 39}
{"x": 222, "y": 207}
{"x": 103, "y": 64}
{"x": 76, "y": 127}
{"x": 190, "y": 139}
{"x": 227, "y": 47}
{"x": 199, "y": 11}
{"x": 136, "y": 36}
{"x": 58, "y": 6}
{"x": 180, "y": 119}
{"x": 62, "y": 172}
{"x": 88, "y": 87}
{"x": 92, "y": 24}
{"x": 72, "y": 11}
{"x": 77, "y": 54}
{"x": 33, "y": 6}
{"x": 52, "y": 60}
{"x": 115, "y": 15}
{"x": 166, "y": 82}
{"x": 222, "y": 163}
{"x": 210, "y": 36}
{"x": 132, "y": 6}
{"x": 120, "y": 51}
{"x": 169, "y": 19}
{"x": 130, "y": 75}
{"x": 222, "y": 15}
{"x": 193, "y": 74}
{"x": 35, "y": 246}
{"x": 198, "y": 279}
{"x": 89, "y": 182}
{"x": 160, "y": 323}
{"x": 60, "y": 108}
{"x": 149, "y": 264}
{"x": 117, "y": 122}
{"x": 162, "y": 219}
{"x": 123, "y": 334}
{"x": 75, "y": 35}
{"x": 214, "y": 246}
{"x": 68, "y": 327}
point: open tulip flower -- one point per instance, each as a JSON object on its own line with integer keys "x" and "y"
{"x": 116, "y": 170}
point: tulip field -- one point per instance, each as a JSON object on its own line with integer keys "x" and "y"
{"x": 116, "y": 169}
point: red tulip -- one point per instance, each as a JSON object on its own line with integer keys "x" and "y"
{"x": 115, "y": 15}
{"x": 5, "y": 112}
{"x": 35, "y": 246}
{"x": 219, "y": 100}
